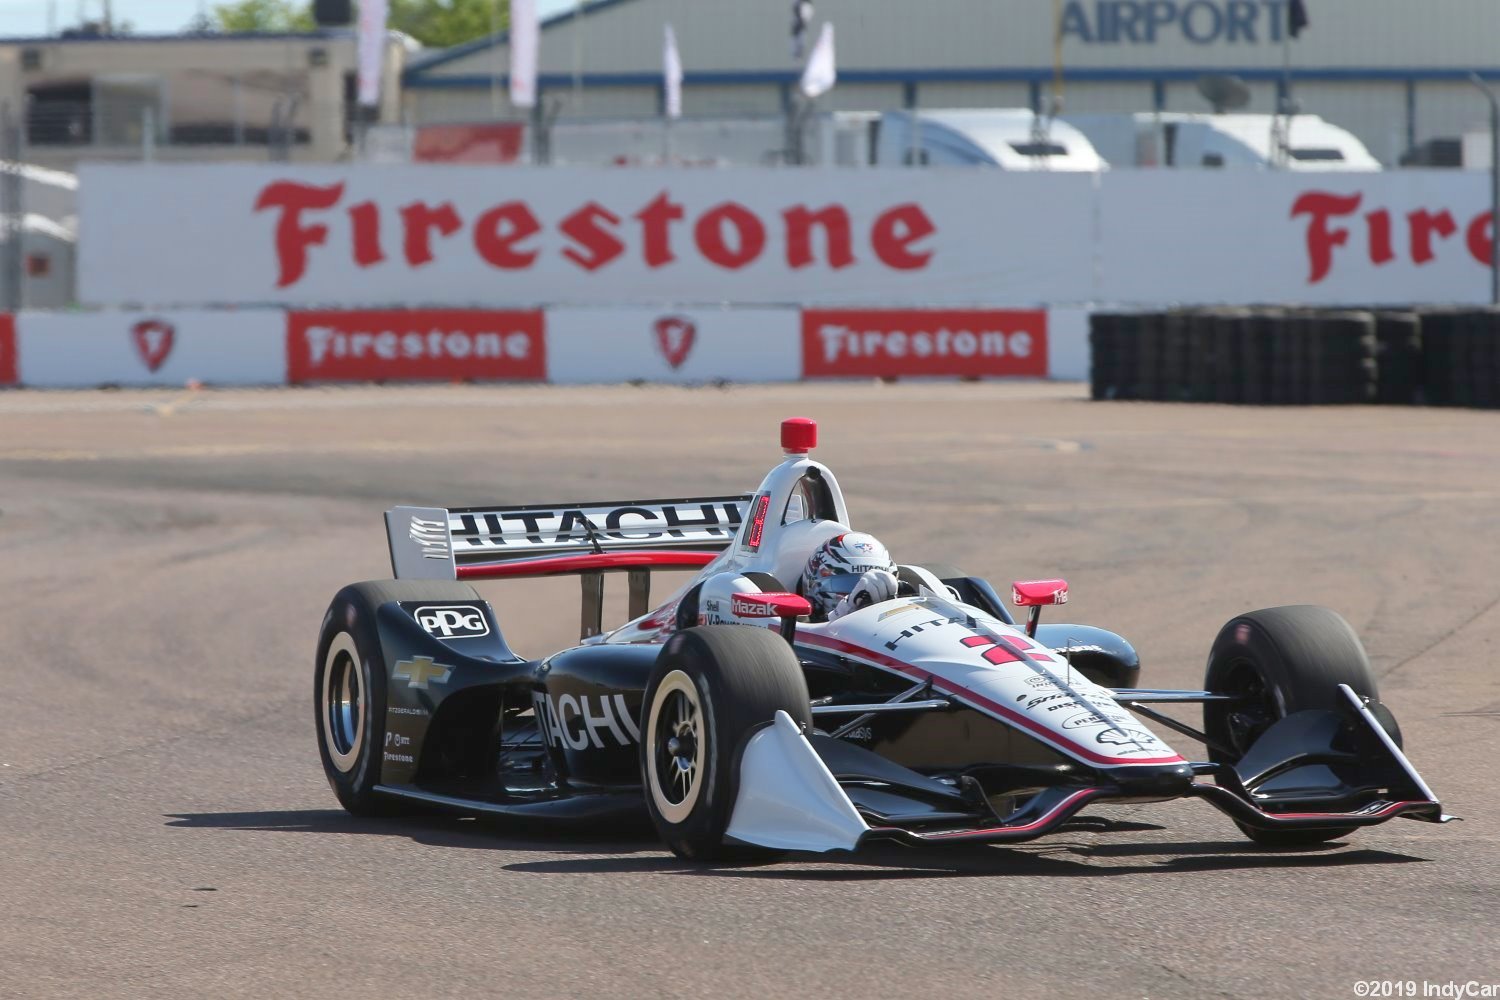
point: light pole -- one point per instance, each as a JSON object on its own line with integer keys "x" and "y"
{"x": 1494, "y": 100}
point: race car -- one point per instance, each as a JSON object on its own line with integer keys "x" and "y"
{"x": 742, "y": 722}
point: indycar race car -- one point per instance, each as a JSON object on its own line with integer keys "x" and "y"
{"x": 740, "y": 723}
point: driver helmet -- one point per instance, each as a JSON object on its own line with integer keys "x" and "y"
{"x": 837, "y": 566}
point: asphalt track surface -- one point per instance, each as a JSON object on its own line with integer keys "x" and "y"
{"x": 166, "y": 830}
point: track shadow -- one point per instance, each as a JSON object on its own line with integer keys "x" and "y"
{"x": 636, "y": 851}
{"x": 896, "y": 863}
{"x": 434, "y": 830}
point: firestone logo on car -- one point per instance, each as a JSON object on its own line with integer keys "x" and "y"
{"x": 893, "y": 343}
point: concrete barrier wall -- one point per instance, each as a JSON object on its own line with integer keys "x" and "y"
{"x": 561, "y": 345}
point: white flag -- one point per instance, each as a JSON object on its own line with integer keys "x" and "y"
{"x": 671, "y": 71}
{"x": 819, "y": 76}
{"x": 525, "y": 39}
{"x": 372, "y": 15}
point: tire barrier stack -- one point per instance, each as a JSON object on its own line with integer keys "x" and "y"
{"x": 1438, "y": 357}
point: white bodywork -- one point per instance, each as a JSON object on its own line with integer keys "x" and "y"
{"x": 788, "y": 798}
{"x": 962, "y": 650}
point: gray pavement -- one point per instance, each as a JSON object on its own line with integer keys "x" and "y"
{"x": 165, "y": 828}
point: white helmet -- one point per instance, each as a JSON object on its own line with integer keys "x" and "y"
{"x": 853, "y": 569}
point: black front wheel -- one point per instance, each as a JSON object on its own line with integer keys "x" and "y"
{"x": 711, "y": 689}
{"x": 1276, "y": 662}
{"x": 349, "y": 687}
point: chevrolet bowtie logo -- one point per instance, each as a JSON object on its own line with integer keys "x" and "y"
{"x": 417, "y": 672}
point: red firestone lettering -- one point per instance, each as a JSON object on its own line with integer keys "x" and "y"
{"x": 894, "y": 233}
{"x": 656, "y": 229}
{"x": 1320, "y": 238}
{"x": 292, "y": 237}
{"x": 420, "y": 219}
{"x": 835, "y": 222}
{"x": 1379, "y": 222}
{"x": 587, "y": 228}
{"x": 1423, "y": 225}
{"x": 728, "y": 235}
{"x": 499, "y": 230}
{"x": 365, "y": 219}
{"x": 709, "y": 233}
{"x": 1480, "y": 239}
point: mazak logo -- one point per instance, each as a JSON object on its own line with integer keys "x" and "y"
{"x": 893, "y": 343}
{"x": 751, "y": 609}
{"x": 452, "y": 621}
{"x": 675, "y": 336}
{"x": 431, "y": 535}
{"x": 153, "y": 341}
{"x": 420, "y": 671}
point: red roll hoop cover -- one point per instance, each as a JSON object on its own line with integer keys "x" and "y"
{"x": 799, "y": 435}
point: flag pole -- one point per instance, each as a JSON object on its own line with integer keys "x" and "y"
{"x": 495, "y": 107}
{"x": 1283, "y": 118}
{"x": 577, "y": 56}
{"x": 1494, "y": 100}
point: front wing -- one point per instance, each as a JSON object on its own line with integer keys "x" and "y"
{"x": 789, "y": 799}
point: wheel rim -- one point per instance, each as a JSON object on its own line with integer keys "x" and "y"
{"x": 1258, "y": 706}
{"x": 677, "y": 735}
{"x": 343, "y": 709}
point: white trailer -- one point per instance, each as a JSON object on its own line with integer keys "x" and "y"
{"x": 1228, "y": 141}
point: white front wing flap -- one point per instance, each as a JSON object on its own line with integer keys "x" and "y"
{"x": 788, "y": 799}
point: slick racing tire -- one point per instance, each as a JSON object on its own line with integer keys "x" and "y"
{"x": 1280, "y": 661}
{"x": 349, "y": 688}
{"x": 711, "y": 689}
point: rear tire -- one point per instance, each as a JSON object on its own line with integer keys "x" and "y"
{"x": 349, "y": 688}
{"x": 1281, "y": 660}
{"x": 713, "y": 687}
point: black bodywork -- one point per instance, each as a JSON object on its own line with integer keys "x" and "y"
{"x": 472, "y": 726}
{"x": 558, "y": 738}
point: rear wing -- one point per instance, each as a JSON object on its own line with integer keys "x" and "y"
{"x": 467, "y": 543}
{"x": 589, "y": 540}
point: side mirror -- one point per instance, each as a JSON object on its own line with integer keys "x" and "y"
{"x": 1034, "y": 594}
{"x": 787, "y": 607}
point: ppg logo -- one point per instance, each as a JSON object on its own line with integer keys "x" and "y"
{"x": 452, "y": 621}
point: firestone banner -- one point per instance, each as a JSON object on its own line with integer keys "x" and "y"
{"x": 8, "y": 366}
{"x": 1246, "y": 237}
{"x": 370, "y": 236}
{"x": 220, "y": 347}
